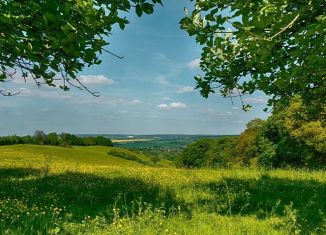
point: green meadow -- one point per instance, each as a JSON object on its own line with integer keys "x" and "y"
{"x": 85, "y": 190}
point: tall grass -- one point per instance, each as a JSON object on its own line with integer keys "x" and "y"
{"x": 135, "y": 199}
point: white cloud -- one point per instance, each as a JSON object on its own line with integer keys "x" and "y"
{"x": 166, "y": 98}
{"x": 178, "y": 105}
{"x": 173, "y": 105}
{"x": 194, "y": 64}
{"x": 163, "y": 106}
{"x": 95, "y": 80}
{"x": 136, "y": 101}
{"x": 163, "y": 80}
{"x": 109, "y": 100}
{"x": 186, "y": 89}
{"x": 256, "y": 100}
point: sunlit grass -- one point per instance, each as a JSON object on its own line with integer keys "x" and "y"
{"x": 54, "y": 190}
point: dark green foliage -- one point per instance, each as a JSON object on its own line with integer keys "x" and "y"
{"x": 40, "y": 137}
{"x": 247, "y": 147}
{"x": 64, "y": 139}
{"x": 134, "y": 156}
{"x": 277, "y": 148}
{"x": 53, "y": 139}
{"x": 267, "y": 144}
{"x": 155, "y": 159}
{"x": 10, "y": 140}
{"x": 69, "y": 139}
{"x": 123, "y": 154}
{"x": 271, "y": 143}
{"x": 219, "y": 152}
{"x": 222, "y": 152}
{"x": 102, "y": 141}
{"x": 196, "y": 154}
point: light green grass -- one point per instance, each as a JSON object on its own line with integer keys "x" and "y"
{"x": 67, "y": 158}
{"x": 85, "y": 191}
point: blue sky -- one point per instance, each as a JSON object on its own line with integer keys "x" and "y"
{"x": 150, "y": 91}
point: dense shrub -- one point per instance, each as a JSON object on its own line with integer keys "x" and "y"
{"x": 122, "y": 154}
{"x": 133, "y": 156}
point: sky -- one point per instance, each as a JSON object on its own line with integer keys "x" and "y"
{"x": 150, "y": 91}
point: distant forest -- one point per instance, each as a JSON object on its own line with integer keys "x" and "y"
{"x": 63, "y": 139}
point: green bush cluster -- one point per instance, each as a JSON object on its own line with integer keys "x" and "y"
{"x": 133, "y": 156}
{"x": 290, "y": 137}
{"x": 218, "y": 152}
{"x": 64, "y": 139}
{"x": 123, "y": 154}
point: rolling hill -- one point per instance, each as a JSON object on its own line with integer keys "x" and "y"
{"x": 71, "y": 157}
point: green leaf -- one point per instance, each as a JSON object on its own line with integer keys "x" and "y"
{"x": 139, "y": 10}
{"x": 50, "y": 17}
{"x": 148, "y": 8}
{"x": 5, "y": 19}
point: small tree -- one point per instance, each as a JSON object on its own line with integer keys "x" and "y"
{"x": 247, "y": 143}
{"x": 39, "y": 137}
{"x": 53, "y": 139}
{"x": 196, "y": 154}
{"x": 155, "y": 159}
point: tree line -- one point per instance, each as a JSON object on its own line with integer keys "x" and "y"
{"x": 54, "y": 139}
{"x": 290, "y": 137}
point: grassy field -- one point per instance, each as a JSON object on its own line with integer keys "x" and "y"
{"x": 84, "y": 190}
{"x": 130, "y": 140}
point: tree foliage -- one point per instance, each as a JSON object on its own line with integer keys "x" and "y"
{"x": 219, "y": 152}
{"x": 195, "y": 155}
{"x": 51, "y": 40}
{"x": 64, "y": 139}
{"x": 299, "y": 138}
{"x": 277, "y": 47}
{"x": 290, "y": 137}
{"x": 303, "y": 127}
{"x": 246, "y": 148}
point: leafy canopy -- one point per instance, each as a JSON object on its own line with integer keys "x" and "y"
{"x": 277, "y": 47}
{"x": 50, "y": 40}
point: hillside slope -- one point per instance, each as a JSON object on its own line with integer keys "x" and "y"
{"x": 63, "y": 157}
{"x": 83, "y": 190}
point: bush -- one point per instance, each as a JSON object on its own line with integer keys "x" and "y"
{"x": 122, "y": 154}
